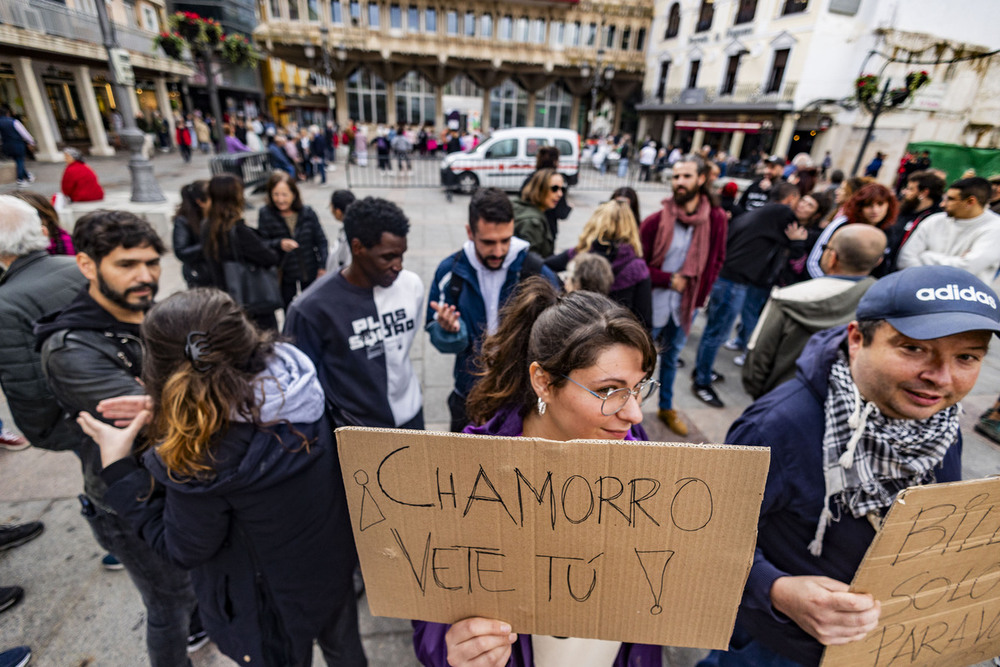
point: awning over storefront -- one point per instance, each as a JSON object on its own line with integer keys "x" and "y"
{"x": 717, "y": 126}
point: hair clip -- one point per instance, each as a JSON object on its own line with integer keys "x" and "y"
{"x": 196, "y": 348}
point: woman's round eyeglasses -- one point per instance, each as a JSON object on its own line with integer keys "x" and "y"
{"x": 613, "y": 400}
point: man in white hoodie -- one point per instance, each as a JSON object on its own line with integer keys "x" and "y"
{"x": 966, "y": 235}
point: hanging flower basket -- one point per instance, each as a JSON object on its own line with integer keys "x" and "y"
{"x": 172, "y": 43}
{"x": 898, "y": 95}
{"x": 917, "y": 80}
{"x": 236, "y": 49}
{"x": 866, "y": 87}
{"x": 188, "y": 25}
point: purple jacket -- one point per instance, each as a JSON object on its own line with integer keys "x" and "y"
{"x": 428, "y": 638}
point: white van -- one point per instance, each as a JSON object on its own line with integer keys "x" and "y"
{"x": 508, "y": 157}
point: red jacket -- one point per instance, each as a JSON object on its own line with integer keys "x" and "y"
{"x": 79, "y": 183}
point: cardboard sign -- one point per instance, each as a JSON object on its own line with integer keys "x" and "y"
{"x": 935, "y": 567}
{"x": 635, "y": 542}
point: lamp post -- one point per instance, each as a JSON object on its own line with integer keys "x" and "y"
{"x": 144, "y": 185}
{"x": 888, "y": 100}
{"x": 325, "y": 33}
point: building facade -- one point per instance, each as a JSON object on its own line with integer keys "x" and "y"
{"x": 483, "y": 64}
{"x": 54, "y": 70}
{"x": 778, "y": 76}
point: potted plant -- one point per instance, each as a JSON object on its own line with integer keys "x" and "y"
{"x": 917, "y": 80}
{"x": 866, "y": 87}
{"x": 172, "y": 43}
{"x": 236, "y": 49}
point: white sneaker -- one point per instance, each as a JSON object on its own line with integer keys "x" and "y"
{"x": 31, "y": 177}
{"x": 740, "y": 359}
{"x": 732, "y": 344}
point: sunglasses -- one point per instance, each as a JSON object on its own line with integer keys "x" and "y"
{"x": 556, "y": 188}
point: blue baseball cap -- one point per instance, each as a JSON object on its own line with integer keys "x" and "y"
{"x": 925, "y": 302}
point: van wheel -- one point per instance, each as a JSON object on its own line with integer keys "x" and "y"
{"x": 467, "y": 182}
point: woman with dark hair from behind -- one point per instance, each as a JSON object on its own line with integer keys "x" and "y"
{"x": 241, "y": 484}
{"x": 292, "y": 230}
{"x": 628, "y": 196}
{"x": 552, "y": 384}
{"x": 189, "y": 218}
{"x": 225, "y": 220}
{"x": 60, "y": 241}
{"x": 613, "y": 234}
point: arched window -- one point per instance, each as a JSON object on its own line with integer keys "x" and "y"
{"x": 552, "y": 106}
{"x": 414, "y": 99}
{"x": 705, "y": 16}
{"x": 673, "y": 21}
{"x": 508, "y": 105}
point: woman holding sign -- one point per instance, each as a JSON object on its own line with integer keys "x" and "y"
{"x": 582, "y": 373}
{"x": 241, "y": 484}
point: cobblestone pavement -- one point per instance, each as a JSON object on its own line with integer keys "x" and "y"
{"x": 76, "y": 614}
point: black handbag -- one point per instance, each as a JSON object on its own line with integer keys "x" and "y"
{"x": 254, "y": 287}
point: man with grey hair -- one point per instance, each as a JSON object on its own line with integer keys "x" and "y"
{"x": 33, "y": 283}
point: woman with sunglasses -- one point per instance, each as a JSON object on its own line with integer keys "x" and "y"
{"x": 582, "y": 372}
{"x": 542, "y": 193}
{"x": 241, "y": 484}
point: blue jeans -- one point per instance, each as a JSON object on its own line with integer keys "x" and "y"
{"x": 724, "y": 304}
{"x": 165, "y": 588}
{"x": 671, "y": 339}
{"x": 22, "y": 173}
{"x": 622, "y": 167}
{"x": 753, "y": 304}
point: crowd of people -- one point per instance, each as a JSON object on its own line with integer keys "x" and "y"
{"x": 205, "y": 437}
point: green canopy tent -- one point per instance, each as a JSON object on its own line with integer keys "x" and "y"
{"x": 954, "y": 159}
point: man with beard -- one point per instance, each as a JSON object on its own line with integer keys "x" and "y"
{"x": 91, "y": 351}
{"x": 921, "y": 198}
{"x": 680, "y": 248}
{"x": 758, "y": 246}
{"x": 471, "y": 285}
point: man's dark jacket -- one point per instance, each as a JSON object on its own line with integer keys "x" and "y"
{"x": 790, "y": 420}
{"x": 757, "y": 247}
{"x": 87, "y": 356}
{"x": 35, "y": 284}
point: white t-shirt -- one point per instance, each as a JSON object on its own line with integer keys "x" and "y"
{"x": 573, "y": 652}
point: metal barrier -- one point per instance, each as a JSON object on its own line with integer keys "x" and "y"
{"x": 424, "y": 171}
{"x": 252, "y": 168}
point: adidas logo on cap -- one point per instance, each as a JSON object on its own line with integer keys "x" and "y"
{"x": 954, "y": 293}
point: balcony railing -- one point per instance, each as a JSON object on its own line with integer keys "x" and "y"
{"x": 58, "y": 20}
{"x": 746, "y": 93}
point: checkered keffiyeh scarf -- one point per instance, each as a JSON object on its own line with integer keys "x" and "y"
{"x": 868, "y": 458}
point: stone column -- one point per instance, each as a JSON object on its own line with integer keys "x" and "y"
{"x": 640, "y": 134}
{"x": 574, "y": 114}
{"x": 163, "y": 103}
{"x": 37, "y": 112}
{"x": 697, "y": 140}
{"x": 485, "y": 118}
{"x": 440, "y": 122}
{"x": 736, "y": 143}
{"x": 340, "y": 96}
{"x": 532, "y": 104}
{"x": 91, "y": 114}
{"x": 668, "y": 130}
{"x": 619, "y": 106}
{"x": 780, "y": 146}
{"x": 390, "y": 103}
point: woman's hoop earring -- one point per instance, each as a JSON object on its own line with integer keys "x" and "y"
{"x": 541, "y": 406}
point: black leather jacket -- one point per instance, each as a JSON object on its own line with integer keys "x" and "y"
{"x": 87, "y": 356}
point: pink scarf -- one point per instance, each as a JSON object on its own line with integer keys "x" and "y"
{"x": 697, "y": 254}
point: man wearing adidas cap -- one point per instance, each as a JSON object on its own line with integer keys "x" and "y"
{"x": 872, "y": 410}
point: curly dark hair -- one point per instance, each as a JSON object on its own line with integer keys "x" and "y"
{"x": 367, "y": 219}
{"x": 100, "y": 232}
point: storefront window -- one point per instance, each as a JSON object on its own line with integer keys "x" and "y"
{"x": 414, "y": 94}
{"x": 553, "y": 106}
{"x": 508, "y": 105}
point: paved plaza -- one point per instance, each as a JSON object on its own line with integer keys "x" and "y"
{"x": 75, "y": 614}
